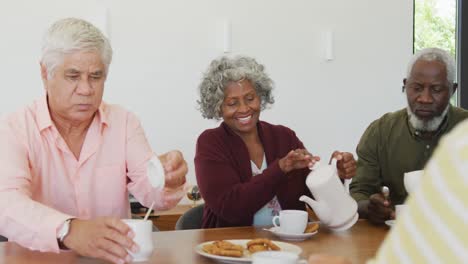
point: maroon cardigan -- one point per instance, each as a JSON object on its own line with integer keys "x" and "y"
{"x": 224, "y": 175}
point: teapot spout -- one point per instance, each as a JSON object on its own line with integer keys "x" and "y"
{"x": 320, "y": 209}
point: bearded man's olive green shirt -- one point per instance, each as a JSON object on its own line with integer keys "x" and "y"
{"x": 391, "y": 146}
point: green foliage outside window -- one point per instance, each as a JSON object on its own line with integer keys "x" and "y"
{"x": 431, "y": 29}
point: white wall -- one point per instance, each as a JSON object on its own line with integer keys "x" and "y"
{"x": 162, "y": 47}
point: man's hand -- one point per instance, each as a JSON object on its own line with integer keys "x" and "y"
{"x": 297, "y": 159}
{"x": 175, "y": 169}
{"x": 105, "y": 238}
{"x": 345, "y": 163}
{"x": 379, "y": 209}
{"x": 327, "y": 259}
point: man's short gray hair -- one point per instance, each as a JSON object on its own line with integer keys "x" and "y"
{"x": 71, "y": 35}
{"x": 225, "y": 70}
{"x": 435, "y": 54}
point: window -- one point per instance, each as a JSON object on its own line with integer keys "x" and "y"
{"x": 435, "y": 24}
{"x": 462, "y": 54}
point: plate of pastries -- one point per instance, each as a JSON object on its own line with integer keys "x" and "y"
{"x": 241, "y": 250}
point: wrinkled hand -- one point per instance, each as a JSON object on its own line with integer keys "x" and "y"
{"x": 175, "y": 169}
{"x": 379, "y": 209}
{"x": 106, "y": 238}
{"x": 297, "y": 159}
{"x": 168, "y": 198}
{"x": 327, "y": 259}
{"x": 346, "y": 164}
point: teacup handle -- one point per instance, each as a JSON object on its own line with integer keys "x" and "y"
{"x": 274, "y": 221}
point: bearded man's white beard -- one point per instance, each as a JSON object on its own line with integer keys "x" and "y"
{"x": 426, "y": 126}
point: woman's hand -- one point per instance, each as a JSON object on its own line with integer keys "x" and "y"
{"x": 346, "y": 164}
{"x": 297, "y": 159}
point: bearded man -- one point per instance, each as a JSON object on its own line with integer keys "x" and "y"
{"x": 404, "y": 140}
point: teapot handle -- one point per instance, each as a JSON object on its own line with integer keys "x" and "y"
{"x": 333, "y": 162}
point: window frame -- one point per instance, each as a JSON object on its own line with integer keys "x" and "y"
{"x": 462, "y": 57}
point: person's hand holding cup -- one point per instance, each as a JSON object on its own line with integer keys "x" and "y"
{"x": 143, "y": 230}
{"x": 106, "y": 238}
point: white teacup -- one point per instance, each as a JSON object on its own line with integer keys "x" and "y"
{"x": 143, "y": 238}
{"x": 399, "y": 209}
{"x": 291, "y": 221}
{"x": 276, "y": 257}
{"x": 412, "y": 179}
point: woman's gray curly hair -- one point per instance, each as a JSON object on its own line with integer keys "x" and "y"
{"x": 225, "y": 70}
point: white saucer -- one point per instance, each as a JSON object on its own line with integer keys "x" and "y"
{"x": 390, "y": 223}
{"x": 290, "y": 237}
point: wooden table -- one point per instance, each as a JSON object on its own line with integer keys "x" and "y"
{"x": 358, "y": 244}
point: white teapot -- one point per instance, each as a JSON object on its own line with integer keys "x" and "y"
{"x": 335, "y": 208}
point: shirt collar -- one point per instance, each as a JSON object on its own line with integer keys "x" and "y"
{"x": 43, "y": 115}
{"x": 103, "y": 114}
{"x": 44, "y": 120}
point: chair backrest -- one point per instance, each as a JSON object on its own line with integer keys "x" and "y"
{"x": 192, "y": 219}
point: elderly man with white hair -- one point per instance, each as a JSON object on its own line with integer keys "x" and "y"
{"x": 68, "y": 160}
{"x": 404, "y": 140}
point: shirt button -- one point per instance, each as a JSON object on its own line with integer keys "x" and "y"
{"x": 428, "y": 147}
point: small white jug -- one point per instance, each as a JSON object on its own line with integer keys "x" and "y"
{"x": 155, "y": 172}
{"x": 335, "y": 208}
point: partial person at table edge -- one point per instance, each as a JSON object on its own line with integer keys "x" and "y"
{"x": 433, "y": 227}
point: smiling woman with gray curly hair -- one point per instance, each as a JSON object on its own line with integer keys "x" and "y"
{"x": 226, "y": 70}
{"x": 248, "y": 170}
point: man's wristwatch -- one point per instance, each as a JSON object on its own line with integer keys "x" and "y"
{"x": 63, "y": 232}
